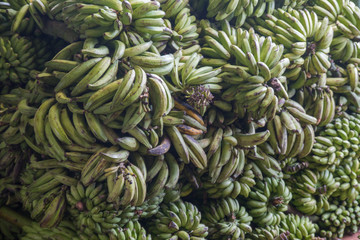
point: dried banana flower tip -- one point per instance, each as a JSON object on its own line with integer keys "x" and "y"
{"x": 199, "y": 96}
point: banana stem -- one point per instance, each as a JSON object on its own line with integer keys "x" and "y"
{"x": 13, "y": 217}
{"x": 59, "y": 29}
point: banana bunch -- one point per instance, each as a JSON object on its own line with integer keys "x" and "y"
{"x": 99, "y": 163}
{"x": 237, "y": 11}
{"x": 318, "y": 101}
{"x": 29, "y": 15}
{"x": 347, "y": 79}
{"x": 225, "y": 160}
{"x": 291, "y": 131}
{"x": 345, "y": 84}
{"x": 226, "y": 219}
{"x": 162, "y": 171}
{"x": 185, "y": 33}
{"x": 50, "y": 208}
{"x": 178, "y": 220}
{"x": 161, "y": 40}
{"x": 263, "y": 164}
{"x": 90, "y": 19}
{"x": 149, "y": 17}
{"x": 126, "y": 185}
{"x": 148, "y": 21}
{"x": 172, "y": 195}
{"x": 186, "y": 75}
{"x": 19, "y": 56}
{"x": 42, "y": 194}
{"x": 331, "y": 9}
{"x": 150, "y": 207}
{"x": 299, "y": 227}
{"x": 92, "y": 65}
{"x": 306, "y": 41}
{"x": 353, "y": 209}
{"x": 182, "y": 189}
{"x": 122, "y": 93}
{"x": 255, "y": 67}
{"x": 213, "y": 47}
{"x": 38, "y": 185}
{"x": 55, "y": 131}
{"x": 343, "y": 49}
{"x": 172, "y": 8}
{"x": 312, "y": 189}
{"x": 132, "y": 38}
{"x": 92, "y": 213}
{"x": 345, "y": 16}
{"x": 259, "y": 103}
{"x": 342, "y": 218}
{"x": 180, "y": 31}
{"x": 80, "y": 58}
{"x": 149, "y": 49}
{"x": 269, "y": 62}
{"x": 222, "y": 113}
{"x": 65, "y": 230}
{"x": 258, "y": 54}
{"x": 131, "y": 91}
{"x": 133, "y": 230}
{"x": 346, "y": 174}
{"x": 355, "y": 57}
{"x": 182, "y": 120}
{"x": 337, "y": 141}
{"x": 187, "y": 148}
{"x": 153, "y": 63}
{"x": 268, "y": 201}
{"x": 128, "y": 95}
{"x": 160, "y": 98}
{"x": 16, "y": 120}
{"x": 29, "y": 174}
{"x": 267, "y": 233}
{"x": 231, "y": 187}
{"x": 123, "y": 178}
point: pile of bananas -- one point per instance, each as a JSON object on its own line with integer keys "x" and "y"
{"x": 20, "y": 56}
{"x": 179, "y": 119}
